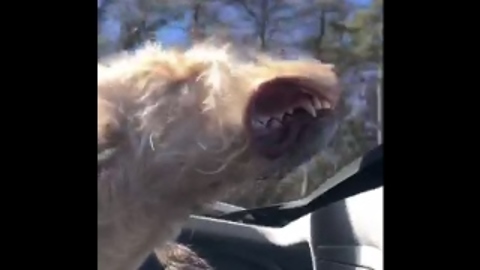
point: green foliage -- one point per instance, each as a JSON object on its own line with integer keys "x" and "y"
{"x": 367, "y": 43}
{"x": 102, "y": 45}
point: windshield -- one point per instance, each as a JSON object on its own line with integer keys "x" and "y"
{"x": 347, "y": 33}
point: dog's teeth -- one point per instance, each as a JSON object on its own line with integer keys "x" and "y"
{"x": 257, "y": 124}
{"x": 317, "y": 104}
{"x": 263, "y": 119}
{"x": 304, "y": 90}
{"x": 278, "y": 116}
{"x": 326, "y": 105}
{"x": 307, "y": 105}
{"x": 274, "y": 123}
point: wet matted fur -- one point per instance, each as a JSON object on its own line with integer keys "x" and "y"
{"x": 177, "y": 129}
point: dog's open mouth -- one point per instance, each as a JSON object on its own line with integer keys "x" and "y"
{"x": 281, "y": 110}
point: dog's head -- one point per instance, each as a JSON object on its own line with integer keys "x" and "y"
{"x": 202, "y": 117}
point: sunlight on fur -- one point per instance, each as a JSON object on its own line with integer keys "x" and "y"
{"x": 177, "y": 129}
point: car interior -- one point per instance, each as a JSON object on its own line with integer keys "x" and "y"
{"x": 338, "y": 227}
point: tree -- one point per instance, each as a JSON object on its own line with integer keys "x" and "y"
{"x": 136, "y": 20}
{"x": 263, "y": 16}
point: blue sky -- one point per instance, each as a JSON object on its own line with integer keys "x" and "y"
{"x": 175, "y": 35}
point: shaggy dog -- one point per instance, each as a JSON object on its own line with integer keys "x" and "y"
{"x": 177, "y": 129}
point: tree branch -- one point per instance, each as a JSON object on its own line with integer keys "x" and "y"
{"x": 102, "y": 9}
{"x": 195, "y": 27}
{"x": 136, "y": 32}
{"x": 249, "y": 11}
{"x": 263, "y": 23}
{"x": 321, "y": 32}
